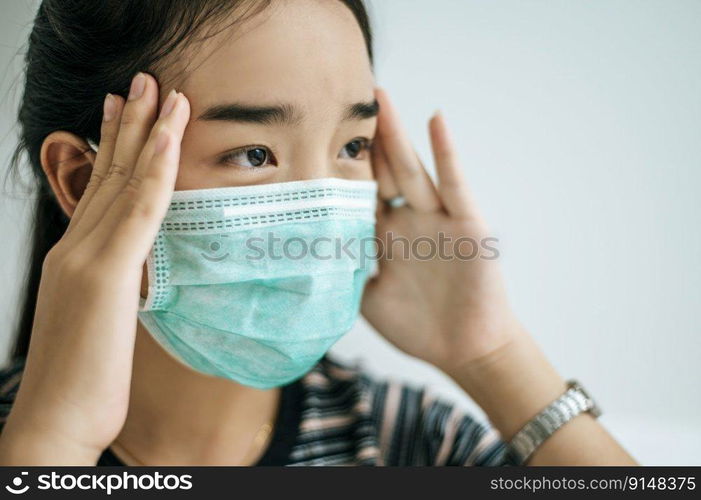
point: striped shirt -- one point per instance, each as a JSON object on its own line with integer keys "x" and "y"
{"x": 338, "y": 415}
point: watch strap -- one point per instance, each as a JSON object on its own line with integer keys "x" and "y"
{"x": 574, "y": 401}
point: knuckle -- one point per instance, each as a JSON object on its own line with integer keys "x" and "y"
{"x": 158, "y": 129}
{"x": 95, "y": 180}
{"x": 133, "y": 184}
{"x": 118, "y": 170}
{"x": 139, "y": 210}
{"x": 130, "y": 117}
{"x": 408, "y": 171}
{"x": 96, "y": 177}
{"x": 134, "y": 207}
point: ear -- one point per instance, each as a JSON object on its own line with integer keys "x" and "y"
{"x": 67, "y": 161}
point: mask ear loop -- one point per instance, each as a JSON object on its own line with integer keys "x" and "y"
{"x": 94, "y": 146}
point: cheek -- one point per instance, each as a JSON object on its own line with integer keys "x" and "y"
{"x": 361, "y": 172}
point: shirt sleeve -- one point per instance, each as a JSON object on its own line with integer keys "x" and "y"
{"x": 463, "y": 441}
{"x": 418, "y": 428}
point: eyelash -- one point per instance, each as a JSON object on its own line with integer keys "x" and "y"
{"x": 228, "y": 159}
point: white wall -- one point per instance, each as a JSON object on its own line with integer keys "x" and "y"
{"x": 579, "y": 126}
{"x": 15, "y": 23}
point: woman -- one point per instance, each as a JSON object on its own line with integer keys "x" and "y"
{"x": 151, "y": 344}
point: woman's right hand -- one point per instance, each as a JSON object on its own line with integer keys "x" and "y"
{"x": 74, "y": 394}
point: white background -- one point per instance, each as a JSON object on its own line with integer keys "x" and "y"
{"x": 579, "y": 126}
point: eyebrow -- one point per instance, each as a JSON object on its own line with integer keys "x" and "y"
{"x": 280, "y": 114}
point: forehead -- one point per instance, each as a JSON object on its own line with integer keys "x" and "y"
{"x": 307, "y": 52}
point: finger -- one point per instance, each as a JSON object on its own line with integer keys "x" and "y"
{"x": 386, "y": 186}
{"x": 136, "y": 122}
{"x": 411, "y": 177}
{"x": 140, "y": 208}
{"x": 111, "y": 117}
{"x": 171, "y": 120}
{"x": 452, "y": 186}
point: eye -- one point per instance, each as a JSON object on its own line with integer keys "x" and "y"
{"x": 248, "y": 157}
{"x": 356, "y": 148}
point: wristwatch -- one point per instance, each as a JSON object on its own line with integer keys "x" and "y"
{"x": 574, "y": 401}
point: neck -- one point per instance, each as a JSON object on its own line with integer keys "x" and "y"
{"x": 181, "y": 417}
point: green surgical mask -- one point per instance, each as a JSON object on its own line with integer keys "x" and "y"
{"x": 256, "y": 283}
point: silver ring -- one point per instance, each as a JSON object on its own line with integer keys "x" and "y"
{"x": 396, "y": 202}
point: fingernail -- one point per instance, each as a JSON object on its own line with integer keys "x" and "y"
{"x": 169, "y": 104}
{"x": 109, "y": 109}
{"x": 161, "y": 142}
{"x": 138, "y": 85}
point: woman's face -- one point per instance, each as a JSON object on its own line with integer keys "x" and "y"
{"x": 289, "y": 96}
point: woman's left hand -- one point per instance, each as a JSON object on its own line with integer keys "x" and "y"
{"x": 453, "y": 312}
{"x": 445, "y": 304}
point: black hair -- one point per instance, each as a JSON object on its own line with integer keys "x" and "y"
{"x": 78, "y": 51}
